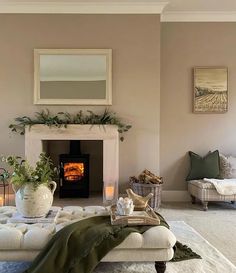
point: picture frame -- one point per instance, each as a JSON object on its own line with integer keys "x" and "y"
{"x": 210, "y": 92}
{"x": 73, "y": 76}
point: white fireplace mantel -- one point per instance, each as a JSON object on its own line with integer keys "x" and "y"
{"x": 37, "y": 134}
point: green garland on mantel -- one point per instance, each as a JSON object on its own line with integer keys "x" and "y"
{"x": 62, "y": 119}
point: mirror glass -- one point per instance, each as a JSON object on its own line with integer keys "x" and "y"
{"x": 73, "y": 76}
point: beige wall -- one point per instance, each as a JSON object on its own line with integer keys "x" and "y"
{"x": 183, "y": 46}
{"x": 135, "y": 40}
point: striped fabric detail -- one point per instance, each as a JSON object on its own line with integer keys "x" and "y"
{"x": 206, "y": 194}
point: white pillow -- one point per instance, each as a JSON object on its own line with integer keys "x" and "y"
{"x": 227, "y": 166}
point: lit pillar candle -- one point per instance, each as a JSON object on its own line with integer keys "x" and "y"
{"x": 1, "y": 202}
{"x": 109, "y": 192}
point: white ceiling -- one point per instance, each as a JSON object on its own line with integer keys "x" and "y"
{"x": 201, "y": 5}
{"x": 199, "y": 11}
{"x": 174, "y": 10}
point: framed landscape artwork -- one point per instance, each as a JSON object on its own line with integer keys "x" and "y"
{"x": 210, "y": 90}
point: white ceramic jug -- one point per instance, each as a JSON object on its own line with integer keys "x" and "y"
{"x": 31, "y": 202}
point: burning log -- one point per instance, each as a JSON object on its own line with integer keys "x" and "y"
{"x": 73, "y": 171}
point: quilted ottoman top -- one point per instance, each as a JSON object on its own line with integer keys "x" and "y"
{"x": 22, "y": 236}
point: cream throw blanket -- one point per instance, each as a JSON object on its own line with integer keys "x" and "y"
{"x": 223, "y": 186}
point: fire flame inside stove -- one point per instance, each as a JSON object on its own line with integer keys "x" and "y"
{"x": 73, "y": 171}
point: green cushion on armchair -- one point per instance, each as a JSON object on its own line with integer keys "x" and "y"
{"x": 204, "y": 167}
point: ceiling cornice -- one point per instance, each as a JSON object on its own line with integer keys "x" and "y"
{"x": 103, "y": 7}
{"x": 199, "y": 16}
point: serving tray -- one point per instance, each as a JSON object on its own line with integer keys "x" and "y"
{"x": 145, "y": 217}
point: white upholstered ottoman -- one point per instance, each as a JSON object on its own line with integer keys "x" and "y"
{"x": 206, "y": 192}
{"x": 22, "y": 242}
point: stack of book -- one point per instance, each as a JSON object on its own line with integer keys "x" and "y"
{"x": 50, "y": 217}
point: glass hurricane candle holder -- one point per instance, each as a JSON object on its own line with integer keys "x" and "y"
{"x": 109, "y": 194}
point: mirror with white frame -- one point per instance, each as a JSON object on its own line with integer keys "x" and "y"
{"x": 73, "y": 76}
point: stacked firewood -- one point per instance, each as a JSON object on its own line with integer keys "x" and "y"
{"x": 146, "y": 177}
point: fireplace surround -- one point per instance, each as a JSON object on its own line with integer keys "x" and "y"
{"x": 37, "y": 135}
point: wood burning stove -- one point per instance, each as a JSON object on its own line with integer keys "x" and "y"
{"x": 74, "y": 172}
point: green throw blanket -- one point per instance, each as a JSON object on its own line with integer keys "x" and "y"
{"x": 79, "y": 247}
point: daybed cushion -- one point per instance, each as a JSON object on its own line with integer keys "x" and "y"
{"x": 201, "y": 184}
{"x": 204, "y": 167}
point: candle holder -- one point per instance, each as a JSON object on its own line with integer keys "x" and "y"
{"x": 109, "y": 193}
{"x": 4, "y": 187}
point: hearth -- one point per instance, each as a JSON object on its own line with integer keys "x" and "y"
{"x": 74, "y": 172}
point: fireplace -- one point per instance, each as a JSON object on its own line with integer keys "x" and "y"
{"x": 74, "y": 172}
{"x": 37, "y": 136}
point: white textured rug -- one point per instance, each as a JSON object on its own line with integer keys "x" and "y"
{"x": 213, "y": 261}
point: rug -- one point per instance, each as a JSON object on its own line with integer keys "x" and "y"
{"x": 212, "y": 260}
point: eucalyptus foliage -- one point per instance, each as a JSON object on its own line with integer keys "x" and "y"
{"x": 4, "y": 175}
{"x": 62, "y": 119}
{"x": 23, "y": 173}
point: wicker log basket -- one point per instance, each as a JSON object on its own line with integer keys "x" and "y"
{"x": 146, "y": 183}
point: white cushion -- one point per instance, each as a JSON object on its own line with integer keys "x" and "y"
{"x": 36, "y": 238}
{"x": 134, "y": 240}
{"x": 158, "y": 237}
{"x": 201, "y": 184}
{"x": 139, "y": 255}
{"x": 155, "y": 237}
{"x": 10, "y": 238}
